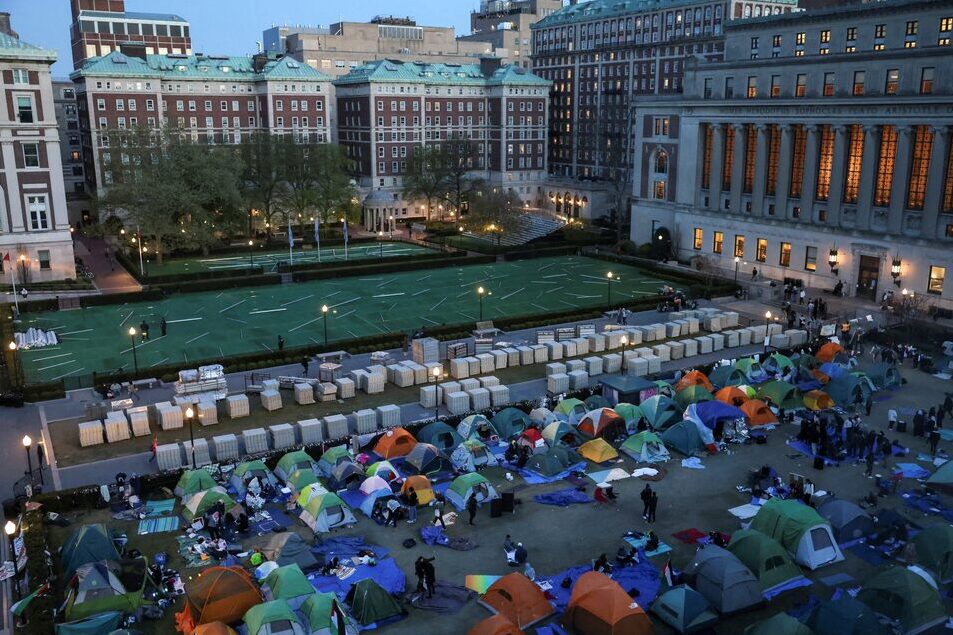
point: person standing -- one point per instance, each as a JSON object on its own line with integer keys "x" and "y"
{"x": 430, "y": 575}
{"x": 870, "y": 464}
{"x": 281, "y": 343}
{"x": 472, "y": 507}
{"x": 304, "y": 366}
{"x": 144, "y": 329}
{"x": 412, "y": 502}
{"x": 653, "y": 506}
{"x": 948, "y": 404}
{"x": 155, "y": 448}
{"x": 940, "y": 415}
{"x": 646, "y": 497}
{"x": 438, "y": 515}
{"x": 934, "y": 439}
{"x": 163, "y": 326}
{"x": 801, "y": 296}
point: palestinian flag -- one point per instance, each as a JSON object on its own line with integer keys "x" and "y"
{"x": 19, "y": 608}
{"x": 668, "y": 572}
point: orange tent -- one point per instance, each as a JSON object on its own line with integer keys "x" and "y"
{"x": 517, "y": 598}
{"x": 758, "y": 413}
{"x": 219, "y": 594}
{"x": 828, "y": 352}
{"x": 821, "y": 377}
{"x": 599, "y": 606}
{"x": 422, "y": 487}
{"x": 818, "y": 400}
{"x": 732, "y": 395}
{"x": 394, "y": 443}
{"x": 600, "y": 422}
{"x": 214, "y": 628}
{"x": 496, "y": 625}
{"x": 694, "y": 378}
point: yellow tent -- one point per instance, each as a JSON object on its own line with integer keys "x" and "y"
{"x": 598, "y": 451}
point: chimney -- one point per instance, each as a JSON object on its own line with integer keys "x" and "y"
{"x": 5, "y": 24}
{"x": 489, "y": 65}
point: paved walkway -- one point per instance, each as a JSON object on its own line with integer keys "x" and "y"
{"x": 111, "y": 277}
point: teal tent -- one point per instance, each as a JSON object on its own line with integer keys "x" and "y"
{"x": 942, "y": 479}
{"x": 370, "y": 603}
{"x": 440, "y": 435}
{"x": 594, "y": 402}
{"x": 935, "y": 551}
{"x": 101, "y": 623}
{"x": 87, "y": 543}
{"x": 781, "y": 394}
{"x": 273, "y": 618}
{"x": 726, "y": 376}
{"x": 848, "y": 389}
{"x": 779, "y": 624}
{"x": 510, "y": 422}
{"x": 684, "y": 609}
{"x": 903, "y": 595}
{"x": 683, "y": 437}
{"x": 660, "y": 412}
{"x": 885, "y": 375}
{"x": 553, "y": 461}
{"x": 844, "y": 616}
{"x": 480, "y": 428}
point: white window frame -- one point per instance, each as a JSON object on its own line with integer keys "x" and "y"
{"x": 42, "y": 220}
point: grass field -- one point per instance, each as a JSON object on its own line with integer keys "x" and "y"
{"x": 220, "y": 324}
{"x": 268, "y": 259}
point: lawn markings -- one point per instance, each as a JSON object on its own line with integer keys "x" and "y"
{"x": 344, "y": 315}
{"x": 298, "y": 300}
{"x": 300, "y": 326}
{"x": 424, "y": 278}
{"x": 388, "y": 295}
{"x": 43, "y": 359}
{"x": 541, "y": 308}
{"x": 426, "y": 319}
{"x": 421, "y": 292}
{"x": 439, "y": 303}
{"x": 232, "y": 306}
{"x": 126, "y": 318}
{"x": 161, "y": 361}
{"x": 197, "y": 337}
{"x": 184, "y": 320}
{"x": 66, "y": 363}
{"x": 146, "y": 343}
{"x": 334, "y": 306}
{"x": 75, "y": 332}
{"x": 227, "y": 317}
{"x": 510, "y": 295}
{"x": 266, "y": 311}
{"x": 72, "y": 372}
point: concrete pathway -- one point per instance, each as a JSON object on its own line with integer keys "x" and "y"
{"x": 111, "y": 277}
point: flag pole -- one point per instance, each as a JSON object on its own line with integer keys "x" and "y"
{"x": 13, "y": 274}
{"x": 291, "y": 257}
{"x": 317, "y": 235}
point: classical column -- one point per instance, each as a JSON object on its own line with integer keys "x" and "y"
{"x": 868, "y": 175}
{"x": 14, "y": 193}
{"x": 936, "y": 180}
{"x": 717, "y": 166}
{"x": 809, "y": 182}
{"x": 901, "y": 178}
{"x": 783, "y": 185}
{"x": 702, "y": 142}
{"x": 760, "y": 170}
{"x": 738, "y": 166}
{"x": 835, "y": 194}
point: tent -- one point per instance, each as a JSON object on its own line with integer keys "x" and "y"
{"x": 217, "y": 594}
{"x": 757, "y": 413}
{"x": 383, "y": 469}
{"x": 553, "y": 461}
{"x": 683, "y": 437}
{"x": 885, "y": 375}
{"x": 692, "y": 395}
{"x": 370, "y": 603}
{"x": 193, "y": 482}
{"x": 806, "y": 361}
{"x": 326, "y": 512}
{"x": 779, "y": 624}
{"x": 346, "y": 475}
{"x": 781, "y": 394}
{"x": 694, "y": 378}
{"x": 198, "y": 504}
{"x": 570, "y": 410}
{"x": 273, "y": 618}
{"x": 594, "y": 402}
{"x": 777, "y": 363}
{"x": 468, "y": 485}
{"x": 660, "y": 412}
{"x": 440, "y": 435}
{"x": 726, "y": 376}
{"x": 479, "y": 427}
{"x": 830, "y": 352}
{"x": 818, "y": 400}
{"x": 325, "y": 616}
{"x": 646, "y": 447}
{"x": 542, "y": 416}
{"x": 935, "y": 551}
{"x": 599, "y": 606}
{"x": 301, "y": 480}
{"x": 287, "y": 548}
{"x": 471, "y": 455}
{"x": 510, "y": 422}
{"x": 560, "y": 433}
{"x": 942, "y": 479}
{"x": 290, "y": 584}
{"x": 100, "y": 623}
{"x": 598, "y": 451}
{"x": 428, "y": 459}
{"x": 830, "y": 370}
{"x": 732, "y": 395}
{"x": 664, "y": 388}
{"x": 103, "y": 586}
{"x": 724, "y": 581}
{"x": 395, "y": 443}
{"x": 844, "y": 616}
{"x": 630, "y": 413}
{"x": 712, "y": 415}
{"x": 292, "y": 461}
{"x": 752, "y": 370}
{"x": 604, "y": 422}
{"x": 848, "y": 521}
{"x": 765, "y": 558}
{"x": 533, "y": 439}
{"x": 245, "y": 473}
{"x": 422, "y": 487}
{"x": 372, "y": 484}
{"x": 902, "y": 594}
{"x": 684, "y": 609}
{"x": 495, "y": 625}
{"x": 800, "y": 530}
{"x": 517, "y": 598}
{"x": 87, "y": 543}
{"x": 214, "y": 628}
{"x": 376, "y": 502}
{"x": 848, "y": 389}
{"x": 333, "y": 456}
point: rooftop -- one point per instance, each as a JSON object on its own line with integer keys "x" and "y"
{"x": 218, "y": 67}
{"x": 838, "y": 11}
{"x": 602, "y": 9}
{"x": 14, "y": 47}
{"x": 449, "y": 74}
{"x": 134, "y": 15}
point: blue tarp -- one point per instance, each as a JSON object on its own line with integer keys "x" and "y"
{"x": 346, "y": 547}
{"x": 563, "y": 497}
{"x": 535, "y": 478}
{"x": 353, "y": 498}
{"x": 711, "y": 412}
{"x": 912, "y": 470}
{"x": 644, "y": 576}
{"x": 927, "y": 504}
{"x": 805, "y": 448}
{"x": 434, "y": 535}
{"x": 386, "y": 573}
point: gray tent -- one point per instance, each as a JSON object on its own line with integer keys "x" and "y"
{"x": 289, "y": 548}
{"x": 848, "y": 521}
{"x": 844, "y": 616}
{"x": 684, "y": 609}
{"x": 723, "y": 580}
{"x": 683, "y": 437}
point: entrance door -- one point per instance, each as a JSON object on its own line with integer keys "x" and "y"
{"x": 868, "y": 277}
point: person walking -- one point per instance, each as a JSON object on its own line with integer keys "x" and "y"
{"x": 801, "y": 296}
{"x": 144, "y": 329}
{"x": 155, "y": 448}
{"x": 281, "y": 343}
{"x": 472, "y": 507}
{"x": 940, "y": 416}
{"x": 304, "y": 366}
{"x": 934, "y": 440}
{"x": 646, "y": 497}
{"x": 430, "y": 575}
{"x": 870, "y": 464}
{"x": 948, "y": 404}
{"x": 420, "y": 572}
{"x": 163, "y": 326}
{"x": 438, "y": 515}
{"x": 653, "y": 506}
{"x": 412, "y": 501}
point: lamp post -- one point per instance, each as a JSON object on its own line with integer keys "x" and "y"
{"x": 17, "y": 366}
{"x": 895, "y": 270}
{"x": 135, "y": 359}
{"x": 625, "y": 343}
{"x": 610, "y": 278}
{"x": 9, "y": 529}
{"x": 380, "y": 244}
{"x": 767, "y": 328}
{"x": 480, "y": 293}
{"x": 27, "y": 442}
{"x": 391, "y": 219}
{"x": 436, "y": 373}
{"x": 324, "y": 313}
{"x": 190, "y": 415}
{"x": 737, "y": 262}
{"x": 251, "y": 253}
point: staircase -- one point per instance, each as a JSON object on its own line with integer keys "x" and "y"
{"x": 532, "y": 227}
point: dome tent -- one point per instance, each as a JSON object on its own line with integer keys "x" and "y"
{"x": 732, "y": 395}
{"x": 777, "y": 363}
{"x": 758, "y": 413}
{"x": 86, "y": 544}
{"x": 848, "y": 521}
{"x": 422, "y": 487}
{"x": 684, "y": 609}
{"x": 376, "y": 501}
{"x": 372, "y": 484}
{"x": 427, "y": 459}
{"x": 479, "y": 427}
{"x": 288, "y": 583}
{"x": 518, "y": 599}
{"x": 292, "y": 461}
{"x": 217, "y": 594}
{"x": 779, "y": 624}
{"x": 598, "y": 451}
{"x": 692, "y": 395}
{"x": 510, "y": 422}
{"x": 818, "y": 400}
{"x": 800, "y": 530}
{"x": 325, "y": 616}
{"x": 244, "y": 473}
{"x": 395, "y": 443}
{"x": 99, "y": 587}
{"x": 885, "y": 376}
{"x": 192, "y": 482}
{"x": 781, "y": 394}
{"x": 370, "y": 603}
{"x": 694, "y": 378}
{"x": 198, "y": 504}
{"x": 630, "y": 413}
{"x": 346, "y": 475}
{"x": 724, "y": 581}
{"x": 471, "y": 455}
{"x": 848, "y": 389}
{"x": 599, "y": 606}
{"x": 831, "y": 352}
{"x": 570, "y": 410}
{"x": 765, "y": 558}
{"x": 533, "y": 440}
{"x": 683, "y": 437}
{"x": 468, "y": 485}
{"x": 901, "y": 594}
{"x": 660, "y": 412}
{"x": 604, "y": 422}
{"x": 935, "y": 551}
{"x": 646, "y": 447}
{"x": 553, "y": 461}
{"x": 333, "y": 456}
{"x": 594, "y": 402}
{"x": 542, "y": 416}
{"x": 383, "y": 469}
{"x": 287, "y": 548}
{"x": 727, "y": 376}
{"x": 440, "y": 435}
{"x": 844, "y": 616}
{"x": 273, "y": 618}
{"x": 495, "y": 625}
{"x": 942, "y": 479}
{"x": 562, "y": 434}
{"x": 326, "y": 512}
{"x": 752, "y": 370}
{"x": 302, "y": 481}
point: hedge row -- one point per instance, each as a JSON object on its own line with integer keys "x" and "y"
{"x": 540, "y": 252}
{"x": 456, "y": 259}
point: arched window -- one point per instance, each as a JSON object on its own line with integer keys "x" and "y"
{"x": 661, "y": 162}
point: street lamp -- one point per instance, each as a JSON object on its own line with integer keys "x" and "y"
{"x": 480, "y": 292}
{"x": 391, "y": 219}
{"x": 610, "y": 278}
{"x": 436, "y": 373}
{"x": 251, "y": 253}
{"x": 17, "y": 366}
{"x": 833, "y": 258}
{"x": 27, "y": 442}
{"x": 737, "y": 262}
{"x": 625, "y": 343}
{"x": 135, "y": 360}
{"x": 767, "y": 327}
{"x": 324, "y": 312}
{"x": 380, "y": 243}
{"x": 190, "y": 415}
{"x": 895, "y": 270}
{"x": 9, "y": 529}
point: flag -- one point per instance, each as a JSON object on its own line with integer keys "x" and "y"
{"x": 6, "y": 257}
{"x": 291, "y": 238}
{"x": 344, "y": 222}
{"x": 668, "y": 572}
{"x": 20, "y": 607}
{"x": 317, "y": 226}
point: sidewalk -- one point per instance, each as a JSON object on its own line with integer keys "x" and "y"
{"x": 111, "y": 277}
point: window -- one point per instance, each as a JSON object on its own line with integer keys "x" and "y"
{"x": 797, "y": 160}
{"x": 38, "y": 212}
{"x": 800, "y": 85}
{"x": 31, "y": 155}
{"x": 880, "y": 31}
{"x": 707, "y": 88}
{"x": 754, "y": 44}
{"x": 828, "y": 84}
{"x": 799, "y": 39}
{"x": 706, "y": 156}
{"x": 784, "y": 257}
{"x": 761, "y": 255}
{"x": 859, "y": 78}
{"x": 774, "y": 155}
{"x": 851, "y": 33}
{"x": 946, "y": 24}
{"x": 661, "y": 126}
{"x": 739, "y": 246}
{"x": 888, "y": 156}
{"x": 24, "y": 109}
{"x": 699, "y": 238}
{"x": 825, "y": 36}
{"x": 728, "y": 158}
{"x": 775, "y": 85}
{"x": 661, "y": 162}
{"x": 919, "y": 166}
{"x": 810, "y": 259}
{"x": 718, "y": 242}
{"x": 658, "y": 188}
{"x": 43, "y": 256}
{"x": 935, "y": 283}
{"x": 21, "y": 77}
{"x": 825, "y": 163}
{"x": 752, "y": 86}
{"x": 926, "y": 80}
{"x": 751, "y": 156}
{"x": 913, "y": 27}
{"x": 892, "y": 85}
{"x": 776, "y": 41}
{"x": 855, "y": 154}
{"x": 729, "y": 87}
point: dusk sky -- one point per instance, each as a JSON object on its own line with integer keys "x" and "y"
{"x": 231, "y": 26}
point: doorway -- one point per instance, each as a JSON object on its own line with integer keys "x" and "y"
{"x": 868, "y": 277}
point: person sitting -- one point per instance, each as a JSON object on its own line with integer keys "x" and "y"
{"x": 520, "y": 555}
{"x": 330, "y": 566}
{"x": 218, "y": 549}
{"x": 627, "y": 556}
{"x": 602, "y": 565}
{"x": 241, "y": 525}
{"x": 523, "y": 458}
{"x": 653, "y": 542}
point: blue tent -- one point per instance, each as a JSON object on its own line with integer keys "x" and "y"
{"x": 367, "y": 505}
{"x": 710, "y": 413}
{"x": 833, "y": 370}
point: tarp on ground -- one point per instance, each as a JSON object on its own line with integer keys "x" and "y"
{"x": 287, "y": 548}
{"x": 599, "y": 606}
{"x": 428, "y": 459}
{"x": 725, "y": 376}
{"x": 766, "y": 559}
{"x": 683, "y": 437}
{"x": 598, "y": 451}
{"x": 844, "y": 615}
{"x": 727, "y": 584}
{"x": 660, "y": 412}
{"x": 217, "y": 594}
{"x": 440, "y": 435}
{"x": 732, "y": 395}
{"x": 848, "y": 521}
{"x": 800, "y": 530}
{"x": 273, "y": 618}
{"x": 510, "y": 422}
{"x": 646, "y": 447}
{"x": 694, "y": 378}
{"x": 781, "y": 394}
{"x": 87, "y": 543}
{"x": 692, "y": 395}
{"x": 684, "y": 609}
{"x": 192, "y": 482}
{"x": 481, "y": 428}
{"x": 518, "y": 599}
{"x": 604, "y": 422}
{"x": 297, "y": 460}
{"x": 370, "y": 603}
{"x": 934, "y": 547}
{"x": 902, "y": 594}
{"x": 562, "y": 434}
{"x": 395, "y": 443}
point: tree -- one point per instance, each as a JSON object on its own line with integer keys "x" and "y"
{"x": 335, "y": 193}
{"x": 425, "y": 178}
{"x": 262, "y": 179}
{"x": 298, "y": 194}
{"x": 456, "y": 158}
{"x": 493, "y": 212}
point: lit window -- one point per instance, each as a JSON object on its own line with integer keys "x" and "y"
{"x": 799, "y": 39}
{"x": 888, "y": 156}
{"x": 739, "y": 246}
{"x": 825, "y": 36}
{"x": 913, "y": 27}
{"x": 880, "y": 31}
{"x": 926, "y": 80}
{"x": 699, "y": 238}
{"x": 784, "y": 259}
{"x": 919, "y": 166}
{"x": 828, "y": 84}
{"x": 810, "y": 259}
{"x": 935, "y": 283}
{"x": 718, "y": 243}
{"x": 851, "y": 34}
{"x": 892, "y": 86}
{"x": 761, "y": 255}
{"x": 800, "y": 86}
{"x": 752, "y": 86}
{"x": 859, "y": 78}
{"x": 775, "y": 85}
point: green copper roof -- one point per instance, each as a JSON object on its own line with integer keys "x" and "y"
{"x": 133, "y": 15}
{"x": 216, "y": 67}
{"x": 444, "y": 74}
{"x": 11, "y": 46}
{"x": 602, "y": 9}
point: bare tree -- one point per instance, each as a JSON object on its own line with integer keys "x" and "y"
{"x": 494, "y": 212}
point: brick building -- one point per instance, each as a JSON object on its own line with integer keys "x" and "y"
{"x": 34, "y": 225}
{"x": 505, "y": 24}
{"x": 387, "y": 108}
{"x": 218, "y": 99}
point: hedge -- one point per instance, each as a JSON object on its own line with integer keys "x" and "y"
{"x": 196, "y": 286}
{"x": 457, "y": 259}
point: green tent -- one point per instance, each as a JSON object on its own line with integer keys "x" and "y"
{"x": 193, "y": 482}
{"x": 440, "y": 435}
{"x": 300, "y": 479}
{"x": 942, "y": 479}
{"x": 723, "y": 376}
{"x": 293, "y": 461}
{"x": 630, "y": 413}
{"x": 254, "y": 467}
{"x": 781, "y": 394}
{"x": 646, "y": 447}
{"x": 510, "y": 422}
{"x": 767, "y": 559}
{"x": 371, "y": 603}
{"x": 95, "y": 625}
{"x": 325, "y": 616}
{"x": 245, "y": 473}
{"x": 570, "y": 409}
{"x": 87, "y": 543}
{"x": 807, "y": 361}
{"x": 935, "y": 551}
{"x": 553, "y": 461}
{"x": 844, "y": 616}
{"x": 479, "y": 427}
{"x": 664, "y": 388}
{"x": 903, "y": 595}
{"x": 272, "y": 618}
{"x": 660, "y": 412}
{"x": 562, "y": 434}
{"x": 780, "y": 624}
{"x": 777, "y": 363}
{"x": 848, "y": 389}
{"x": 683, "y": 437}
{"x": 751, "y": 369}
{"x": 290, "y": 584}
{"x": 594, "y": 402}
{"x": 331, "y": 457}
{"x": 326, "y": 511}
{"x": 692, "y": 394}
{"x": 885, "y": 375}
{"x": 684, "y": 609}
{"x": 466, "y": 485}
{"x": 98, "y": 587}
{"x": 800, "y": 530}
{"x": 200, "y": 503}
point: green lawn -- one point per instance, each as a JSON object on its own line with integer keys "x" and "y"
{"x": 224, "y": 323}
{"x": 267, "y": 259}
